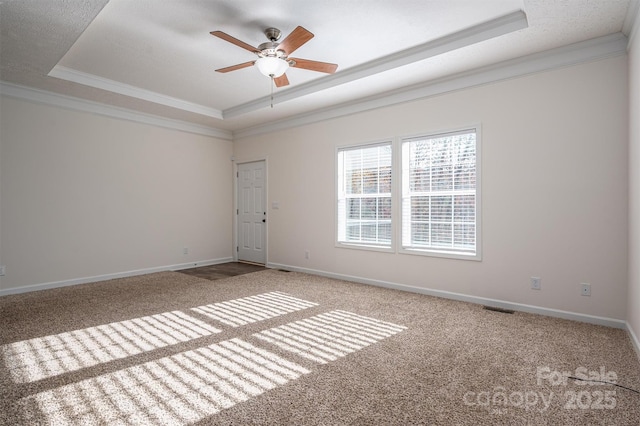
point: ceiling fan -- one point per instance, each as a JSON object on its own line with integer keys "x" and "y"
{"x": 273, "y": 57}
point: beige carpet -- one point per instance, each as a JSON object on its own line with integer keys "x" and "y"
{"x": 273, "y": 347}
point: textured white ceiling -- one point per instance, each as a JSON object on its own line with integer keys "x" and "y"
{"x": 158, "y": 56}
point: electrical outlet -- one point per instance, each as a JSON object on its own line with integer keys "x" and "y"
{"x": 536, "y": 283}
{"x": 306, "y": 254}
{"x": 185, "y": 250}
{"x": 585, "y": 289}
{"x": 3, "y": 270}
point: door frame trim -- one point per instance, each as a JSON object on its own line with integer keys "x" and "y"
{"x": 236, "y": 163}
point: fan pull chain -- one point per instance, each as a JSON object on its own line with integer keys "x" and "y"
{"x": 272, "y": 83}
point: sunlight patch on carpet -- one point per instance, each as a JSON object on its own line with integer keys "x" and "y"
{"x": 177, "y": 389}
{"x": 48, "y": 356}
{"x": 247, "y": 310}
{"x": 329, "y": 336}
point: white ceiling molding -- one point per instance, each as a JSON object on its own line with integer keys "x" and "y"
{"x": 590, "y": 50}
{"x": 586, "y": 51}
{"x": 76, "y": 104}
{"x": 86, "y": 79}
{"x": 496, "y": 27}
{"x": 631, "y": 21}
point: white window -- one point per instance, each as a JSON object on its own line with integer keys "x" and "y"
{"x": 440, "y": 198}
{"x": 364, "y": 195}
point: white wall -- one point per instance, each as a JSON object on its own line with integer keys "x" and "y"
{"x": 633, "y": 306}
{"x": 85, "y": 195}
{"x": 554, "y": 190}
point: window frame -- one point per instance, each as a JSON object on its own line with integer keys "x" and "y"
{"x": 436, "y": 252}
{"x": 364, "y": 245}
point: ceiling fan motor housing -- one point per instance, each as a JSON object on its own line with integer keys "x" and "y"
{"x": 271, "y": 49}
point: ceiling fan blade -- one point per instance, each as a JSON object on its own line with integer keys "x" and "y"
{"x": 236, "y": 67}
{"x": 314, "y": 65}
{"x": 281, "y": 81}
{"x": 297, "y": 38}
{"x": 234, "y": 40}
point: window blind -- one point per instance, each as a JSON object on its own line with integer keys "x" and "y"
{"x": 364, "y": 195}
{"x": 439, "y": 193}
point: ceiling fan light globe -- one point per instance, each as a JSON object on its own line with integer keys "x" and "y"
{"x": 271, "y": 66}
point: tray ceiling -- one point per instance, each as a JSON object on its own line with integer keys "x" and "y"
{"x": 159, "y": 58}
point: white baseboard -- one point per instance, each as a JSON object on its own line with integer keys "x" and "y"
{"x": 634, "y": 339}
{"x": 592, "y": 319}
{"x": 86, "y": 280}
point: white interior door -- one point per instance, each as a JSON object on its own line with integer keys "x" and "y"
{"x": 252, "y": 214}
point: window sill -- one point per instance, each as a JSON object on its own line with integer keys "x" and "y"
{"x": 359, "y": 246}
{"x": 442, "y": 254}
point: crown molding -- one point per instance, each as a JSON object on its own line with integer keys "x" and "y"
{"x": 586, "y": 51}
{"x": 86, "y": 79}
{"x": 574, "y": 54}
{"x": 496, "y": 27}
{"x": 631, "y": 21}
{"x": 77, "y": 104}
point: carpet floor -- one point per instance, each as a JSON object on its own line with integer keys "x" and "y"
{"x": 275, "y": 347}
